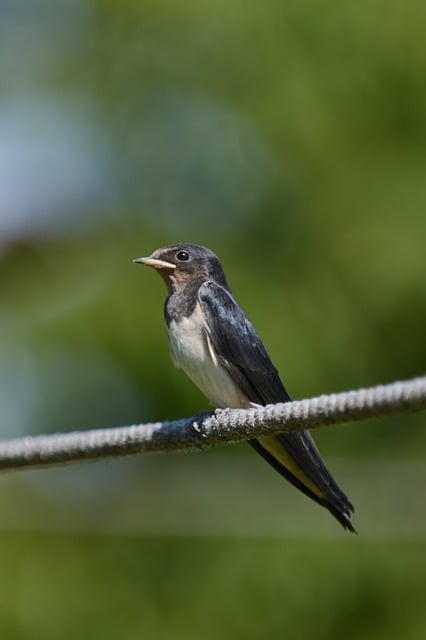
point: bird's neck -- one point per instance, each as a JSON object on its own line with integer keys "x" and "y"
{"x": 181, "y": 301}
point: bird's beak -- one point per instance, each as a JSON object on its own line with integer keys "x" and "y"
{"x": 156, "y": 264}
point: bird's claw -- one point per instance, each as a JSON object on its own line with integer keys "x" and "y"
{"x": 196, "y": 427}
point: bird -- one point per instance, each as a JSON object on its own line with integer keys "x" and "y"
{"x": 216, "y": 345}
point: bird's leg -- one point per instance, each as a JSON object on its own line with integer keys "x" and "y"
{"x": 197, "y": 427}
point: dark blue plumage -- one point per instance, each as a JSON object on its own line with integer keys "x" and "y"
{"x": 217, "y": 346}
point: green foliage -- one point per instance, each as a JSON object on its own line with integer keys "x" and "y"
{"x": 289, "y": 137}
{"x": 93, "y": 586}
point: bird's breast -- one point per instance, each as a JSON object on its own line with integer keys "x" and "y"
{"x": 192, "y": 351}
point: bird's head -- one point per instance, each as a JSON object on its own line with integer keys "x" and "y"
{"x": 180, "y": 264}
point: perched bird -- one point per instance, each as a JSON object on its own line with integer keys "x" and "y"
{"x": 216, "y": 345}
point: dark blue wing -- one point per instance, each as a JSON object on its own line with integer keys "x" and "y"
{"x": 238, "y": 346}
{"x": 241, "y": 352}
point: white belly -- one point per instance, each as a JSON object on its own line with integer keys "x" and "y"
{"x": 192, "y": 351}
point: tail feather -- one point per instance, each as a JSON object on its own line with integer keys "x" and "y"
{"x": 313, "y": 479}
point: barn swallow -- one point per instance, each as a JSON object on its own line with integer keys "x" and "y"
{"x": 213, "y": 341}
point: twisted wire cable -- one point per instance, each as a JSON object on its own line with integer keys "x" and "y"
{"x": 214, "y": 428}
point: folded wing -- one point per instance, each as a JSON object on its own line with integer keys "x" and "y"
{"x": 240, "y": 350}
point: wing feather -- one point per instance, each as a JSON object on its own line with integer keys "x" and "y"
{"x": 240, "y": 350}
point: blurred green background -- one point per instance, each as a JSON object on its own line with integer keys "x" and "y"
{"x": 289, "y": 137}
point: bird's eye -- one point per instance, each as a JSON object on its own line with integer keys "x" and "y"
{"x": 182, "y": 256}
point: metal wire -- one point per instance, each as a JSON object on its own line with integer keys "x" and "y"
{"x": 210, "y": 429}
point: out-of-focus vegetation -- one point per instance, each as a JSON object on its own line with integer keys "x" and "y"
{"x": 290, "y": 138}
{"x": 127, "y": 587}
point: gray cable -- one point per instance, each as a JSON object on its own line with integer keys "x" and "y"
{"x": 210, "y": 429}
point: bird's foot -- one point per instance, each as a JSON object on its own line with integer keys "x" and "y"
{"x": 197, "y": 429}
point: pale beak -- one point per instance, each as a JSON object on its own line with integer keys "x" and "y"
{"x": 156, "y": 264}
